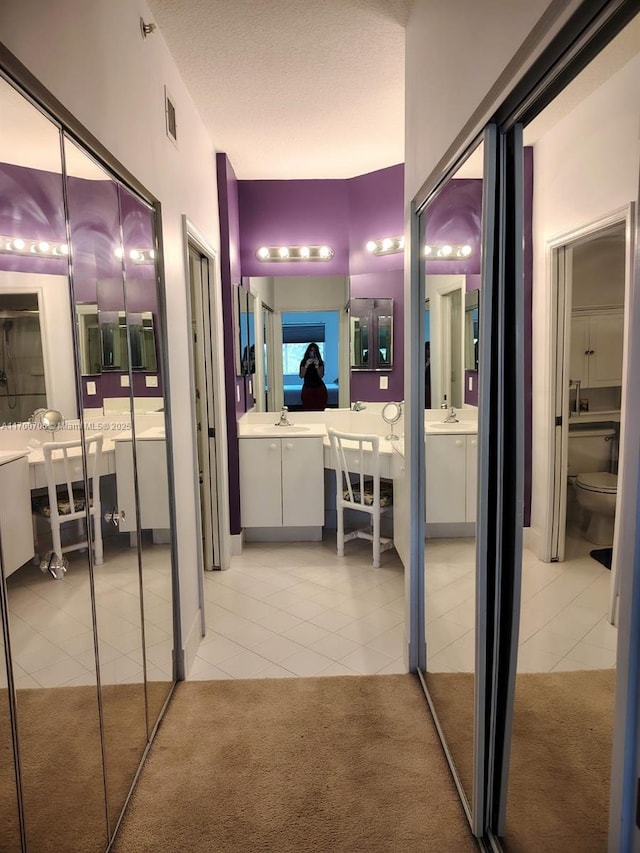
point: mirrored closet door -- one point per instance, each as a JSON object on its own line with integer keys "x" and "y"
{"x": 85, "y": 530}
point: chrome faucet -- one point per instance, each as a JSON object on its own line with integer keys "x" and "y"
{"x": 284, "y": 419}
{"x": 358, "y": 406}
{"x": 451, "y": 418}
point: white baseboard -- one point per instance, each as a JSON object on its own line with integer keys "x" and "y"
{"x": 236, "y": 541}
{"x": 191, "y": 645}
{"x": 283, "y": 534}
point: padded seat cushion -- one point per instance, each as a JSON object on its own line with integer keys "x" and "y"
{"x": 40, "y": 505}
{"x": 386, "y": 492}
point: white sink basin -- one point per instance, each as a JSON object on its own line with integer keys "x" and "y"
{"x": 459, "y": 426}
{"x": 280, "y": 431}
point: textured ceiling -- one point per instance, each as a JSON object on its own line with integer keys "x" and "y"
{"x": 294, "y": 88}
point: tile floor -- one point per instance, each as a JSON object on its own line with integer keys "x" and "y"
{"x": 296, "y": 609}
{"x": 50, "y": 621}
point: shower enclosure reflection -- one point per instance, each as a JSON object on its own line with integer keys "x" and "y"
{"x": 22, "y": 382}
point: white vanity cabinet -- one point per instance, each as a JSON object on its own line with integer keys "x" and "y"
{"x": 451, "y": 478}
{"x": 153, "y": 485}
{"x": 596, "y": 347}
{"x": 16, "y": 530}
{"x": 281, "y": 482}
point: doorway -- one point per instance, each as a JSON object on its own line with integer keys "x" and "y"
{"x": 591, "y": 280}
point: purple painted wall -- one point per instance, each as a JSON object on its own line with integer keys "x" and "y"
{"x": 376, "y": 210}
{"x": 274, "y": 213}
{"x": 228, "y": 206}
{"x": 455, "y": 216}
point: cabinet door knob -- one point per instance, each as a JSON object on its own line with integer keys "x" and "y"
{"x": 474, "y": 442}
{"x": 459, "y": 442}
{"x": 272, "y": 446}
{"x": 289, "y": 446}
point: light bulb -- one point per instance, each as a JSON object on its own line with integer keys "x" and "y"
{"x": 135, "y": 255}
{"x": 386, "y": 244}
{"x": 263, "y": 253}
{"x": 283, "y": 252}
{"x": 324, "y": 252}
{"x": 18, "y": 243}
{"x": 465, "y": 251}
{"x": 119, "y": 253}
{"x": 445, "y": 251}
{"x": 152, "y": 254}
{"x": 401, "y": 242}
{"x": 304, "y": 251}
{"x": 371, "y": 245}
{"x": 43, "y": 246}
{"x": 64, "y": 249}
{"x": 427, "y": 251}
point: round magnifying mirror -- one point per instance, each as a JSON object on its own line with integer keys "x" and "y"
{"x": 52, "y": 419}
{"x": 391, "y": 413}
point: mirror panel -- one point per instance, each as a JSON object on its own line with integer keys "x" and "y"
{"x": 453, "y": 217}
{"x": 150, "y": 449}
{"x": 98, "y": 277}
{"x": 471, "y": 329}
{"x": 371, "y": 333}
{"x": 50, "y": 624}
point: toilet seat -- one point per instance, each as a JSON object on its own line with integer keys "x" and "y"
{"x": 600, "y": 481}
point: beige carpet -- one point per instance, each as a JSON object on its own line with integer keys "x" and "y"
{"x": 295, "y": 765}
{"x": 560, "y": 758}
{"x": 62, "y": 771}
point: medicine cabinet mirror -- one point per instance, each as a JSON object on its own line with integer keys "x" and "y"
{"x": 371, "y": 333}
{"x": 471, "y": 329}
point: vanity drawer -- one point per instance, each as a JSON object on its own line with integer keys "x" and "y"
{"x": 353, "y": 463}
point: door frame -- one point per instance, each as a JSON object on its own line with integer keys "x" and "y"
{"x": 559, "y": 267}
{"x": 218, "y": 473}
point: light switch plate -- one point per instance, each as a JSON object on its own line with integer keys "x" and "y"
{"x": 91, "y": 389}
{"x": 237, "y": 393}
{"x": 384, "y": 382}
{"x": 151, "y": 381}
{"x": 471, "y": 383}
{"x": 124, "y": 381}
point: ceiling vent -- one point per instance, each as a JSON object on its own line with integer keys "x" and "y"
{"x": 170, "y": 116}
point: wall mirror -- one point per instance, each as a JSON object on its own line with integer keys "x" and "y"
{"x": 371, "y": 333}
{"x": 91, "y": 653}
{"x": 293, "y": 311}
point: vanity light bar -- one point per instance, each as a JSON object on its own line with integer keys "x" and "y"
{"x": 447, "y": 251}
{"x": 137, "y": 256}
{"x": 294, "y": 253}
{"x": 29, "y": 246}
{"x": 386, "y": 245}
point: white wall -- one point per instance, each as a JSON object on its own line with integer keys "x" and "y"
{"x": 92, "y": 57}
{"x": 584, "y": 168}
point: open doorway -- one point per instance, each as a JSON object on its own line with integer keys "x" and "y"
{"x": 299, "y": 329}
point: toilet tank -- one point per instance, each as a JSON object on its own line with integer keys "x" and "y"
{"x": 591, "y": 450}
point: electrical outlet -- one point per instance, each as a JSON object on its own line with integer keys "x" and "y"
{"x": 124, "y": 381}
{"x": 91, "y": 389}
{"x": 151, "y": 381}
{"x": 384, "y": 383}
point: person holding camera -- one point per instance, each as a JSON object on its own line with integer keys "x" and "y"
{"x": 314, "y": 391}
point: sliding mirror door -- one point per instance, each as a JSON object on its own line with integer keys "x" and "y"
{"x": 450, "y": 245}
{"x": 98, "y": 278}
{"x": 144, "y": 331}
{"x": 50, "y": 612}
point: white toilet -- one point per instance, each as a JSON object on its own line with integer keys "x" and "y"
{"x": 591, "y": 457}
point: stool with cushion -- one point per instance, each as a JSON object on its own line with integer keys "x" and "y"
{"x": 354, "y": 455}
{"x": 64, "y": 504}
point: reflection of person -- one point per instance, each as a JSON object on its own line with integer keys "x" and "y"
{"x": 249, "y": 363}
{"x": 314, "y": 391}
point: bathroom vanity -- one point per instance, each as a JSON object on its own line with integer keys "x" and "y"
{"x": 16, "y": 534}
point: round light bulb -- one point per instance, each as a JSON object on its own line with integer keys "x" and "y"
{"x": 18, "y": 243}
{"x": 152, "y": 254}
{"x": 64, "y": 249}
{"x": 465, "y": 251}
{"x": 135, "y": 255}
{"x": 263, "y": 253}
{"x": 445, "y": 251}
{"x": 371, "y": 246}
{"x": 401, "y": 242}
{"x": 304, "y": 251}
{"x": 119, "y": 253}
{"x": 427, "y": 251}
{"x": 283, "y": 252}
{"x": 324, "y": 252}
{"x": 386, "y": 244}
{"x": 43, "y": 246}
